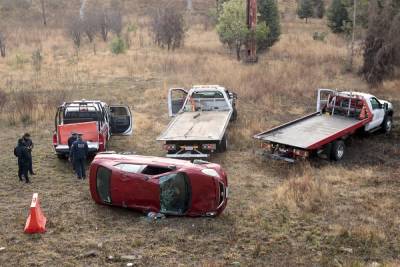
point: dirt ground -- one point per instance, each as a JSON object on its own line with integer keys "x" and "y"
{"x": 358, "y": 224}
{"x": 312, "y": 213}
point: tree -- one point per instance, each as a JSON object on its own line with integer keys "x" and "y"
{"x": 115, "y": 22}
{"x": 104, "y": 24}
{"x": 74, "y": 29}
{"x": 269, "y": 15}
{"x": 382, "y": 43}
{"x": 189, "y": 5}
{"x": 305, "y": 9}
{"x": 2, "y": 44}
{"x": 168, "y": 27}
{"x": 337, "y": 16}
{"x": 43, "y": 7}
{"x": 319, "y": 8}
{"x": 232, "y": 28}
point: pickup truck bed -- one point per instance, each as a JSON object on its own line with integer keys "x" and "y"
{"x": 308, "y": 132}
{"x": 197, "y": 126}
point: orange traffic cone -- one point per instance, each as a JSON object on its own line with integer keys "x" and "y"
{"x": 36, "y": 222}
{"x": 363, "y": 113}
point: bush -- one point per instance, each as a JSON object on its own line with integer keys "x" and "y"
{"x": 117, "y": 46}
{"x": 305, "y": 9}
{"x": 269, "y": 14}
{"x": 37, "y": 59}
{"x": 168, "y": 28}
{"x": 338, "y": 17}
{"x": 232, "y": 28}
{"x": 381, "y": 46}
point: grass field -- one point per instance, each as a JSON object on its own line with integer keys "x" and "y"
{"x": 314, "y": 213}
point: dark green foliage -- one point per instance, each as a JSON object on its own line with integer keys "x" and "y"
{"x": 318, "y": 9}
{"x": 382, "y": 43}
{"x": 305, "y": 9}
{"x": 269, "y": 14}
{"x": 117, "y": 46}
{"x": 337, "y": 16}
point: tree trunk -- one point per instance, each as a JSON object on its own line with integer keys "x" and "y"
{"x": 43, "y": 12}
{"x": 238, "y": 52}
{"x": 3, "y": 51}
{"x": 189, "y": 5}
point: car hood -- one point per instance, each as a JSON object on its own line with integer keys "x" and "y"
{"x": 204, "y": 195}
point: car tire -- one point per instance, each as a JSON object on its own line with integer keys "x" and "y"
{"x": 61, "y": 156}
{"x": 387, "y": 124}
{"x": 223, "y": 145}
{"x": 234, "y": 115}
{"x": 338, "y": 150}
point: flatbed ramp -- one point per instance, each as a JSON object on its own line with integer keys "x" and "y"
{"x": 309, "y": 131}
{"x": 194, "y": 126}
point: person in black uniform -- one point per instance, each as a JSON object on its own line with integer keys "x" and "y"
{"x": 71, "y": 140}
{"x": 78, "y": 154}
{"x": 29, "y": 145}
{"x": 21, "y": 151}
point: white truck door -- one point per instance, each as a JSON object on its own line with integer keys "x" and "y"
{"x": 378, "y": 112}
{"x": 176, "y": 99}
{"x": 121, "y": 121}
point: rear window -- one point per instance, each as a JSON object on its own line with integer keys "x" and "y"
{"x": 75, "y": 114}
{"x": 208, "y": 94}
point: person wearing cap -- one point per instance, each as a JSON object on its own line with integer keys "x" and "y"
{"x": 29, "y": 145}
{"x": 78, "y": 154}
{"x": 21, "y": 151}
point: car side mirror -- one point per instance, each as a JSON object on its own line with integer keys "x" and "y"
{"x": 385, "y": 106}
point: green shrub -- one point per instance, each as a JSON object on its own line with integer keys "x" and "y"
{"x": 117, "y": 46}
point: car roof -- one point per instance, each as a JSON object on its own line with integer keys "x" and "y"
{"x": 207, "y": 88}
{"x": 145, "y": 160}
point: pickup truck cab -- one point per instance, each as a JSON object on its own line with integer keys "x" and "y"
{"x": 200, "y": 118}
{"x": 338, "y": 116}
{"x": 96, "y": 120}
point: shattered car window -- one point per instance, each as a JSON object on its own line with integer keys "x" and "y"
{"x": 174, "y": 193}
{"x": 131, "y": 168}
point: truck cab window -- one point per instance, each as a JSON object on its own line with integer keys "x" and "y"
{"x": 375, "y": 103}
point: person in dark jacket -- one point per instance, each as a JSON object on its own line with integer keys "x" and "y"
{"x": 21, "y": 151}
{"x": 78, "y": 154}
{"x": 71, "y": 140}
{"x": 29, "y": 145}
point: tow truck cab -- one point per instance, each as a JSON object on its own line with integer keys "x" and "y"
{"x": 95, "y": 120}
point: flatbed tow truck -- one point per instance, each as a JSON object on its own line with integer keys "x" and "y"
{"x": 200, "y": 119}
{"x": 338, "y": 116}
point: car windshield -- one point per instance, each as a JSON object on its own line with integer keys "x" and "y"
{"x": 174, "y": 193}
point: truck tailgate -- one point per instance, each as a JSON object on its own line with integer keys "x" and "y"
{"x": 312, "y": 130}
{"x": 197, "y": 126}
{"x": 89, "y": 131}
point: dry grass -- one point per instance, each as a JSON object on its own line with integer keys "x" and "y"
{"x": 278, "y": 214}
{"x": 303, "y": 193}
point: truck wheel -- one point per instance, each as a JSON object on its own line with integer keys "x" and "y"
{"x": 61, "y": 156}
{"x": 234, "y": 115}
{"x": 223, "y": 145}
{"x": 337, "y": 150}
{"x": 387, "y": 124}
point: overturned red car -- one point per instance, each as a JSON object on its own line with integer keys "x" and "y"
{"x": 154, "y": 184}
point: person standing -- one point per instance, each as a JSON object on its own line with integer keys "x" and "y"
{"x": 71, "y": 140}
{"x": 78, "y": 154}
{"x": 29, "y": 145}
{"x": 21, "y": 151}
